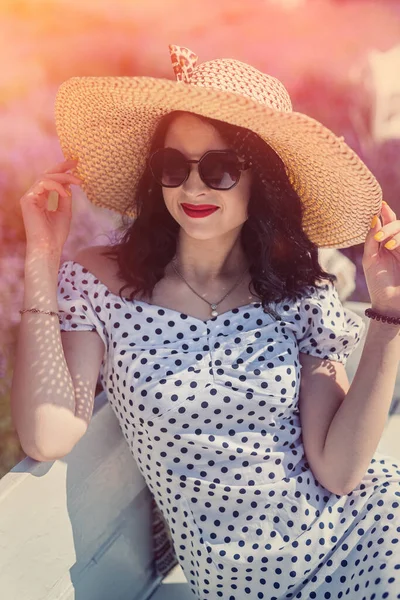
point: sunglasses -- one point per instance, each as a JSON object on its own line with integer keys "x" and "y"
{"x": 218, "y": 169}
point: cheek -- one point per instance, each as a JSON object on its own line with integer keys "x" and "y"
{"x": 234, "y": 207}
{"x": 170, "y": 200}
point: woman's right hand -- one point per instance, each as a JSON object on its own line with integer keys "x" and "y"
{"x": 47, "y": 227}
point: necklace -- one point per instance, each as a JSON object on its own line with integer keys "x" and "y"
{"x": 213, "y": 306}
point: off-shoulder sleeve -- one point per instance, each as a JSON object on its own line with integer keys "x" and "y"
{"x": 79, "y": 297}
{"x": 326, "y": 328}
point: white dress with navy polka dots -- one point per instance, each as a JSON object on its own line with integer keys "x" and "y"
{"x": 210, "y": 412}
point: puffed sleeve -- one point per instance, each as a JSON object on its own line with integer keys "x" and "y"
{"x": 79, "y": 300}
{"x": 327, "y": 329}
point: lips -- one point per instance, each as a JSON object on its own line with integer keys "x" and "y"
{"x": 197, "y": 211}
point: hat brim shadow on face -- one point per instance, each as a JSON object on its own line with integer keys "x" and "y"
{"x": 108, "y": 123}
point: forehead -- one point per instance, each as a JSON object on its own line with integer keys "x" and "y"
{"x": 193, "y": 136}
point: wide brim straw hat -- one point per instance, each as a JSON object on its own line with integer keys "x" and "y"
{"x": 107, "y": 123}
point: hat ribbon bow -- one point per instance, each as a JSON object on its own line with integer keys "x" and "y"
{"x": 183, "y": 62}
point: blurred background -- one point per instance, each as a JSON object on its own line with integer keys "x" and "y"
{"x": 339, "y": 60}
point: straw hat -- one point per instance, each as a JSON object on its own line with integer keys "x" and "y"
{"x": 108, "y": 122}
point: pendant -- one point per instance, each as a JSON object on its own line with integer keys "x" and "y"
{"x": 214, "y": 312}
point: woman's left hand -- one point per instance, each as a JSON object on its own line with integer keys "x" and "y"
{"x": 382, "y": 265}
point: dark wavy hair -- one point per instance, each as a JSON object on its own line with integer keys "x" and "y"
{"x": 282, "y": 260}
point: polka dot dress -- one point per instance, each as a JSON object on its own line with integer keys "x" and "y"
{"x": 210, "y": 412}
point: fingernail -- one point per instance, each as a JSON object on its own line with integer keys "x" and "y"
{"x": 383, "y": 202}
{"x": 379, "y": 236}
{"x": 374, "y": 221}
{"x": 391, "y": 244}
{"x": 52, "y": 201}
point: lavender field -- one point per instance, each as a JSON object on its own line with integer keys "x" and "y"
{"x": 327, "y": 53}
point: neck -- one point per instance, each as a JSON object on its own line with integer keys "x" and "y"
{"x": 205, "y": 261}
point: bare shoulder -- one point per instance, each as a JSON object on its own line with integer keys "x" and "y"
{"x": 103, "y": 267}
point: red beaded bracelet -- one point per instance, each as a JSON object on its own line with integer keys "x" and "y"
{"x": 374, "y": 315}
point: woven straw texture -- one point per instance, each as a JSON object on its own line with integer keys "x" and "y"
{"x": 107, "y": 123}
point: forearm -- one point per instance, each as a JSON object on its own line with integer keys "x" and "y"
{"x": 42, "y": 392}
{"x": 358, "y": 424}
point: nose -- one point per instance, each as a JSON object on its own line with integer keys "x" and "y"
{"x": 194, "y": 185}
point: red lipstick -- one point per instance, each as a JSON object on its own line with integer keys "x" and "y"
{"x": 197, "y": 211}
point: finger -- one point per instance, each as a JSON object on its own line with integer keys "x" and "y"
{"x": 386, "y": 231}
{"x": 35, "y": 191}
{"x": 44, "y": 186}
{"x": 49, "y": 200}
{"x": 64, "y": 177}
{"x": 62, "y": 166}
{"x": 387, "y": 214}
{"x": 392, "y": 243}
{"x": 52, "y": 201}
{"x": 49, "y": 185}
{"x": 55, "y": 202}
{"x": 371, "y": 246}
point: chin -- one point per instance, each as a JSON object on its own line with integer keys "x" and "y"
{"x": 200, "y": 233}
{"x": 204, "y": 232}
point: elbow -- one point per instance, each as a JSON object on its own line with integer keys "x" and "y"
{"x": 37, "y": 456}
{"x": 51, "y": 439}
{"x": 42, "y": 452}
{"x": 41, "y": 455}
{"x": 342, "y": 490}
{"x": 338, "y": 492}
{"x": 334, "y": 487}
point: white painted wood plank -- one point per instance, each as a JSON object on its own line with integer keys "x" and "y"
{"x": 77, "y": 528}
{"x": 173, "y": 587}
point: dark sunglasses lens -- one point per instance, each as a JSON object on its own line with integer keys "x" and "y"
{"x": 169, "y": 167}
{"x": 220, "y": 171}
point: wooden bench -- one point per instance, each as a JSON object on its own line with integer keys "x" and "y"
{"x": 80, "y": 528}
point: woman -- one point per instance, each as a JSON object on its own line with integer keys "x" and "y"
{"x": 268, "y": 480}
